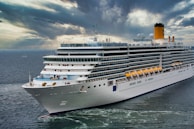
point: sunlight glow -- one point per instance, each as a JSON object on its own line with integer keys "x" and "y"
{"x": 142, "y": 18}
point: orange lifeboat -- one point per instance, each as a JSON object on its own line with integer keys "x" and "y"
{"x": 155, "y": 69}
{"x": 145, "y": 71}
{"x": 159, "y": 68}
{"x": 150, "y": 70}
{"x": 127, "y": 74}
{"x": 133, "y": 73}
{"x": 139, "y": 72}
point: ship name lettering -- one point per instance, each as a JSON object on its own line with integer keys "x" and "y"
{"x": 133, "y": 83}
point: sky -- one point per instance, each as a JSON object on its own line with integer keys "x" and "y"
{"x": 44, "y": 24}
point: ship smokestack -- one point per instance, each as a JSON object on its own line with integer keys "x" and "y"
{"x": 172, "y": 38}
{"x": 158, "y": 31}
{"x": 169, "y": 39}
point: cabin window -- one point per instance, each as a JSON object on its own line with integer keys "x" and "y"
{"x": 110, "y": 83}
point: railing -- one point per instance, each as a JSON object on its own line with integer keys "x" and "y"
{"x": 112, "y": 44}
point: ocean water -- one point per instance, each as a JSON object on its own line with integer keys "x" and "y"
{"x": 168, "y": 108}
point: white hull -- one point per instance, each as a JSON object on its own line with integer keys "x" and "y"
{"x": 66, "y": 98}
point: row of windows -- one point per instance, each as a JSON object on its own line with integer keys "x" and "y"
{"x": 96, "y": 79}
{"x": 115, "y": 58}
{"x": 135, "y": 62}
{"x": 68, "y": 70}
{"x": 105, "y": 73}
{"x": 73, "y": 59}
{"x": 131, "y": 59}
{"x": 65, "y": 65}
{"x": 97, "y": 86}
{"x": 110, "y": 68}
{"x": 178, "y": 57}
{"x": 126, "y": 65}
{"x": 185, "y": 61}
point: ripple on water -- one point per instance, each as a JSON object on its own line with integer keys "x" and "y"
{"x": 19, "y": 110}
{"x": 111, "y": 118}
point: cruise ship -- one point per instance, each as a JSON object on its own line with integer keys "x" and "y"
{"x": 98, "y": 73}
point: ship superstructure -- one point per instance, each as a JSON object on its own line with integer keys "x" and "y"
{"x": 98, "y": 73}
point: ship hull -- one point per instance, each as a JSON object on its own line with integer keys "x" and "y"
{"x": 97, "y": 93}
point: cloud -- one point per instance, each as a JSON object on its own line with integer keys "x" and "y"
{"x": 10, "y": 31}
{"x": 183, "y": 5}
{"x": 45, "y": 21}
{"x": 110, "y": 14}
{"x": 142, "y": 18}
{"x": 42, "y": 5}
{"x": 188, "y": 22}
{"x": 28, "y": 4}
{"x": 68, "y": 29}
{"x": 41, "y": 21}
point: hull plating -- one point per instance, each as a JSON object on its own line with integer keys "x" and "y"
{"x": 66, "y": 98}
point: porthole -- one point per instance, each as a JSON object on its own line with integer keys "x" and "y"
{"x": 94, "y": 86}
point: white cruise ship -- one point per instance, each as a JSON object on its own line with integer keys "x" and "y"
{"x": 98, "y": 73}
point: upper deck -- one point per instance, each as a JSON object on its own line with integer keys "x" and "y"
{"x": 96, "y": 45}
{"x": 118, "y": 44}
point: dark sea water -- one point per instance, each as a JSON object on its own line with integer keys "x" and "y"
{"x": 168, "y": 108}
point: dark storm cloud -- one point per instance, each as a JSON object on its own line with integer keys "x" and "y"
{"x": 89, "y": 6}
{"x": 90, "y": 15}
{"x": 128, "y": 5}
{"x": 41, "y": 20}
{"x": 94, "y": 10}
{"x": 155, "y": 6}
{"x": 188, "y": 22}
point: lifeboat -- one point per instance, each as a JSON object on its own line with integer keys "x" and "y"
{"x": 130, "y": 74}
{"x": 159, "y": 68}
{"x": 127, "y": 74}
{"x": 139, "y": 72}
{"x": 151, "y": 70}
{"x": 145, "y": 71}
{"x": 133, "y": 73}
{"x": 155, "y": 69}
{"x": 176, "y": 63}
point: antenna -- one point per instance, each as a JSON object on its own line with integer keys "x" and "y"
{"x": 30, "y": 81}
{"x": 94, "y": 29}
